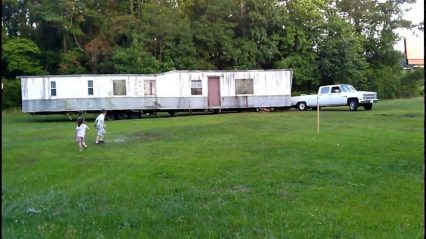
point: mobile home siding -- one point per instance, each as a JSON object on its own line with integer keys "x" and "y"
{"x": 271, "y": 88}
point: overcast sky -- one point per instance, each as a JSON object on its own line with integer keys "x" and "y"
{"x": 415, "y": 41}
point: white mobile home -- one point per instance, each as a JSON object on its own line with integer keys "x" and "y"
{"x": 129, "y": 95}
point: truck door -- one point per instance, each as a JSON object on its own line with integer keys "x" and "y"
{"x": 324, "y": 95}
{"x": 337, "y": 96}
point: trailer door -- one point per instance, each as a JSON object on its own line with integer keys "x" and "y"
{"x": 213, "y": 91}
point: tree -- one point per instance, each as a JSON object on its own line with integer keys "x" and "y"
{"x": 73, "y": 62}
{"x": 135, "y": 59}
{"x": 21, "y": 56}
{"x": 340, "y": 53}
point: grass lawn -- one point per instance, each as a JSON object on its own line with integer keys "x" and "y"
{"x": 230, "y": 175}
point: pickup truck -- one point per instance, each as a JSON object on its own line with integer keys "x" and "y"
{"x": 336, "y": 95}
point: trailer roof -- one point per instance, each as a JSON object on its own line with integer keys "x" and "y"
{"x": 156, "y": 74}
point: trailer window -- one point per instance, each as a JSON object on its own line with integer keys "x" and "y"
{"x": 150, "y": 88}
{"x": 196, "y": 88}
{"x": 119, "y": 87}
{"x": 53, "y": 88}
{"x": 90, "y": 87}
{"x": 244, "y": 86}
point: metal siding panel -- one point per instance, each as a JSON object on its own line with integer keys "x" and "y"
{"x": 271, "y": 89}
{"x": 256, "y": 101}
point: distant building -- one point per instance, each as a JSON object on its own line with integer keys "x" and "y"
{"x": 415, "y": 62}
{"x": 410, "y": 61}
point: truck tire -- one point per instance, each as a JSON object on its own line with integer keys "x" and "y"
{"x": 368, "y": 106}
{"x": 353, "y": 104}
{"x": 302, "y": 106}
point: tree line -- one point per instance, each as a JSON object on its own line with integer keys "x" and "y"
{"x": 322, "y": 41}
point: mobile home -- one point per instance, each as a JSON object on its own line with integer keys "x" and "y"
{"x": 130, "y": 95}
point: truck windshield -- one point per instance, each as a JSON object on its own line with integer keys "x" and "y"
{"x": 348, "y": 88}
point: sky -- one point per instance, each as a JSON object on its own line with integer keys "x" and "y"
{"x": 415, "y": 41}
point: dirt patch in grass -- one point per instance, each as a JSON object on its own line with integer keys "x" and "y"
{"x": 144, "y": 136}
{"x": 409, "y": 115}
{"x": 240, "y": 189}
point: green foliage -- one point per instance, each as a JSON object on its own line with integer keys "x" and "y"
{"x": 22, "y": 57}
{"x": 135, "y": 59}
{"x": 412, "y": 83}
{"x": 73, "y": 62}
{"x": 385, "y": 81}
{"x": 391, "y": 83}
{"x": 341, "y": 54}
{"x": 11, "y": 93}
{"x": 305, "y": 70}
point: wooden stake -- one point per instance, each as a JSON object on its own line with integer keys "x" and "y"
{"x": 318, "y": 115}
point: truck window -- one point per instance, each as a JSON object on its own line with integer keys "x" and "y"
{"x": 335, "y": 89}
{"x": 324, "y": 90}
{"x": 348, "y": 88}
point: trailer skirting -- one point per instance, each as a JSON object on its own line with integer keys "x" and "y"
{"x": 153, "y": 103}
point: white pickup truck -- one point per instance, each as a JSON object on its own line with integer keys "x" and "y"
{"x": 336, "y": 95}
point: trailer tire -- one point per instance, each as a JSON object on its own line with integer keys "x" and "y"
{"x": 121, "y": 115}
{"x": 134, "y": 115}
{"x": 110, "y": 116}
{"x": 302, "y": 106}
{"x": 353, "y": 104}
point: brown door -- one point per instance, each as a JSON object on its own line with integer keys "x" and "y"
{"x": 214, "y": 91}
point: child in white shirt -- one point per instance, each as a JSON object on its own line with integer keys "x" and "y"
{"x": 100, "y": 126}
{"x": 81, "y": 132}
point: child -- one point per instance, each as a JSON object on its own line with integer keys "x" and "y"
{"x": 100, "y": 125}
{"x": 81, "y": 132}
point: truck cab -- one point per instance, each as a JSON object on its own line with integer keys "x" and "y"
{"x": 336, "y": 95}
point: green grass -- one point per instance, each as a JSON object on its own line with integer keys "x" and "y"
{"x": 234, "y": 175}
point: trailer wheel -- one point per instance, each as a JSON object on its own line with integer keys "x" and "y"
{"x": 134, "y": 115}
{"x": 302, "y": 106}
{"x": 171, "y": 113}
{"x": 121, "y": 115}
{"x": 353, "y": 104}
{"x": 110, "y": 116}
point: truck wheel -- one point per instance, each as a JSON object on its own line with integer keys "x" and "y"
{"x": 368, "y": 106}
{"x": 302, "y": 106}
{"x": 353, "y": 104}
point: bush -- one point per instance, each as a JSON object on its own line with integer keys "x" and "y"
{"x": 392, "y": 82}
{"x": 11, "y": 94}
{"x": 412, "y": 83}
